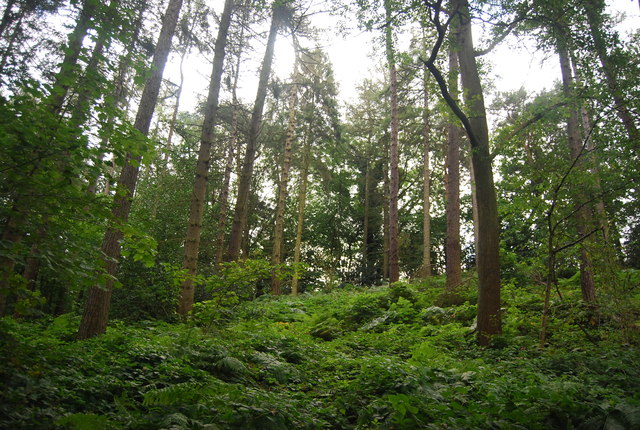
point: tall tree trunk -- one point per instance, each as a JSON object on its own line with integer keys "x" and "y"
{"x": 599, "y": 206}
{"x": 426, "y": 270}
{"x": 232, "y": 149}
{"x": 10, "y": 235}
{"x": 594, "y": 10}
{"x": 366, "y": 245}
{"x": 453, "y": 249}
{"x": 13, "y": 38}
{"x": 119, "y": 95}
{"x": 59, "y": 90}
{"x": 583, "y": 214}
{"x": 489, "y": 318}
{"x": 176, "y": 106}
{"x": 194, "y": 228}
{"x": 96, "y": 311}
{"x": 223, "y": 197}
{"x": 68, "y": 67}
{"x": 385, "y": 217}
{"x": 474, "y": 206}
{"x": 278, "y": 238}
{"x": 7, "y": 16}
{"x": 394, "y": 179}
{"x": 246, "y": 175}
{"x": 302, "y": 201}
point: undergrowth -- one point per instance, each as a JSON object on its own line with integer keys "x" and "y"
{"x": 385, "y": 358}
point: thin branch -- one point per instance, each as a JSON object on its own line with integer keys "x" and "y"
{"x": 537, "y": 117}
{"x": 577, "y": 241}
{"x": 442, "y": 84}
{"x": 510, "y": 27}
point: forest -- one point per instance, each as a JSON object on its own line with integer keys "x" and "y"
{"x": 435, "y": 252}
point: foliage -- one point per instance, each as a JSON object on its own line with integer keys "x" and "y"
{"x": 381, "y": 358}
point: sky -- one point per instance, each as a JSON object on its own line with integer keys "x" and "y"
{"x": 354, "y": 57}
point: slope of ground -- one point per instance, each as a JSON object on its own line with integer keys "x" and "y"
{"x": 349, "y": 359}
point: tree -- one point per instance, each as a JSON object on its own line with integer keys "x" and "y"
{"x": 475, "y": 125}
{"x": 283, "y": 183}
{"x": 426, "y": 269}
{"x": 583, "y": 213}
{"x": 594, "y": 10}
{"x": 22, "y": 207}
{"x": 194, "y": 228}
{"x": 453, "y": 250}
{"x": 232, "y": 147}
{"x": 96, "y": 310}
{"x": 394, "y": 179}
{"x": 279, "y": 12}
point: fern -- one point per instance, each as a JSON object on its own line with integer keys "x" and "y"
{"x": 85, "y": 422}
{"x": 174, "y": 394}
{"x": 232, "y": 366}
{"x": 176, "y": 421}
{"x": 282, "y": 372}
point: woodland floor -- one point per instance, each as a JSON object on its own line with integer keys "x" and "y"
{"x": 353, "y": 358}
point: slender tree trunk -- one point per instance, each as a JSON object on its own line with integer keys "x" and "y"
{"x": 10, "y": 235}
{"x": 59, "y": 90}
{"x": 278, "y": 239}
{"x": 453, "y": 248}
{"x": 583, "y": 214}
{"x": 385, "y": 217}
{"x": 302, "y": 201}
{"x": 96, "y": 311}
{"x": 365, "y": 224}
{"x": 119, "y": 95}
{"x": 246, "y": 175}
{"x": 176, "y": 106}
{"x": 474, "y": 206}
{"x": 7, "y": 51}
{"x": 68, "y": 68}
{"x": 7, "y": 16}
{"x": 489, "y": 318}
{"x": 426, "y": 181}
{"x": 599, "y": 206}
{"x": 394, "y": 179}
{"x": 223, "y": 197}
{"x": 194, "y": 228}
{"x": 594, "y": 10}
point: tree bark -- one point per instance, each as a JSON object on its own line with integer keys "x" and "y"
{"x": 394, "y": 179}
{"x": 278, "y": 239}
{"x": 426, "y": 269}
{"x": 594, "y": 10}
{"x": 244, "y": 184}
{"x": 223, "y": 197}
{"x": 453, "y": 249}
{"x": 96, "y": 311}
{"x": 385, "y": 217}
{"x": 365, "y": 223}
{"x": 55, "y": 101}
{"x": 119, "y": 95}
{"x": 474, "y": 207}
{"x": 69, "y": 65}
{"x": 302, "y": 201}
{"x": 194, "y": 228}
{"x": 583, "y": 214}
{"x": 489, "y": 318}
{"x": 7, "y": 16}
{"x": 13, "y": 38}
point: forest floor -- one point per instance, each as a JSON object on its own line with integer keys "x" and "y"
{"x": 354, "y": 358}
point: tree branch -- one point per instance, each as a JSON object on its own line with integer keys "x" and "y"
{"x": 501, "y": 37}
{"x": 430, "y": 64}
